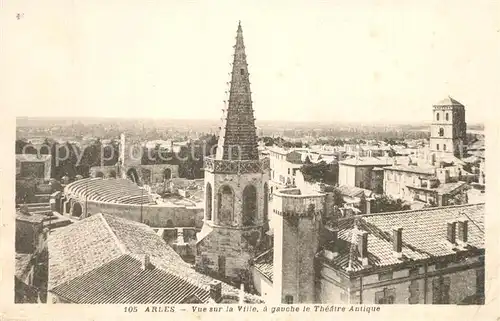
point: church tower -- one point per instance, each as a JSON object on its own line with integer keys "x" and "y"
{"x": 448, "y": 129}
{"x": 236, "y": 186}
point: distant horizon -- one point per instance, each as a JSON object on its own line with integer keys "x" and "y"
{"x": 322, "y": 122}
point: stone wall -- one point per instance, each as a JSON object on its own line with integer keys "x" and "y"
{"x": 153, "y": 215}
{"x": 235, "y": 248}
{"x": 296, "y": 240}
{"x": 28, "y": 236}
{"x": 262, "y": 285}
{"x": 406, "y": 287}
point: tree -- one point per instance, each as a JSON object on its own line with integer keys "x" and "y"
{"x": 320, "y": 172}
{"x": 385, "y": 203}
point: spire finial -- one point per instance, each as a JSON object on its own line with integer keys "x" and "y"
{"x": 239, "y": 25}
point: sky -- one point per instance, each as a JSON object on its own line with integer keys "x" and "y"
{"x": 381, "y": 61}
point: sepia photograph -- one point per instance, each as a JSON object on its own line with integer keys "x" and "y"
{"x": 322, "y": 157}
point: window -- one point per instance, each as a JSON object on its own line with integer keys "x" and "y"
{"x": 446, "y": 116}
{"x": 413, "y": 271}
{"x": 441, "y": 131}
{"x": 444, "y": 147}
{"x": 249, "y": 205}
{"x": 441, "y": 290}
{"x": 385, "y": 276}
{"x": 208, "y": 202}
{"x": 386, "y": 296}
{"x": 437, "y": 116}
{"x": 242, "y": 71}
{"x": 437, "y": 146}
{"x": 288, "y": 299}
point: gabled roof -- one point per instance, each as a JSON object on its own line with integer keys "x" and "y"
{"x": 264, "y": 264}
{"x": 448, "y": 101}
{"x": 368, "y": 161}
{"x": 99, "y": 260}
{"x": 412, "y": 169}
{"x": 424, "y": 235}
{"x": 353, "y": 191}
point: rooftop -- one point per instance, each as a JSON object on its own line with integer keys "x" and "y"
{"x": 368, "y": 161}
{"x": 31, "y": 217}
{"x": 264, "y": 264}
{"x": 443, "y": 189}
{"x": 353, "y": 191}
{"x": 100, "y": 260}
{"x": 412, "y": 169}
{"x": 424, "y": 235}
{"x": 448, "y": 101}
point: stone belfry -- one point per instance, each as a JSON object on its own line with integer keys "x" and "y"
{"x": 236, "y": 187}
{"x": 448, "y": 128}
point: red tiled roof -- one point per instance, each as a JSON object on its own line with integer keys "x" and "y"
{"x": 424, "y": 235}
{"x": 412, "y": 169}
{"x": 122, "y": 281}
{"x": 99, "y": 259}
{"x": 368, "y": 161}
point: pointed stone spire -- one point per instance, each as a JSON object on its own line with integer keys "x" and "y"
{"x": 238, "y": 139}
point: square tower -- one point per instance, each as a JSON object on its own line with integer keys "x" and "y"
{"x": 448, "y": 128}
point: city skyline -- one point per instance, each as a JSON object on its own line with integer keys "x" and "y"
{"x": 333, "y": 62}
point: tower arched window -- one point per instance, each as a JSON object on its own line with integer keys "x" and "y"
{"x": 437, "y": 116}
{"x": 441, "y": 131}
{"x": 208, "y": 202}
{"x": 226, "y": 204}
{"x": 249, "y": 205}
{"x": 446, "y": 116}
{"x": 444, "y": 147}
{"x": 437, "y": 146}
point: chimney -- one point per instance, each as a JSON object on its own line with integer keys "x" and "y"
{"x": 216, "y": 290}
{"x": 241, "y": 294}
{"x": 450, "y": 235}
{"x": 397, "y": 241}
{"x": 368, "y": 205}
{"x": 146, "y": 262}
{"x": 363, "y": 245}
{"x": 463, "y": 230}
{"x": 24, "y": 209}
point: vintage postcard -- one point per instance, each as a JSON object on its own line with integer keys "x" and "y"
{"x": 248, "y": 160}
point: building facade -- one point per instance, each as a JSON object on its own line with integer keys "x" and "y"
{"x": 448, "y": 129}
{"x": 364, "y": 172}
{"x": 426, "y": 185}
{"x": 285, "y": 164}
